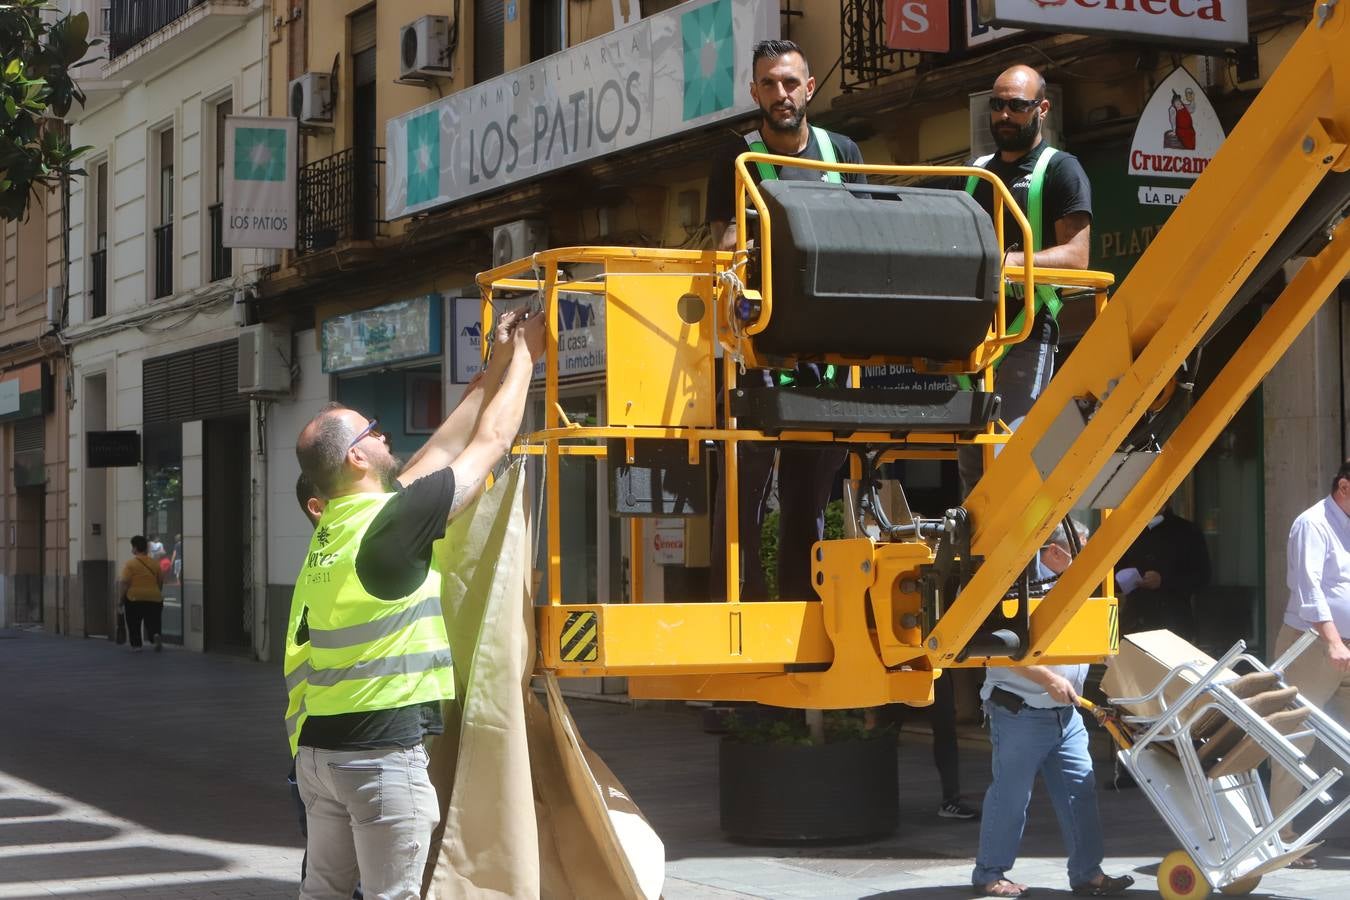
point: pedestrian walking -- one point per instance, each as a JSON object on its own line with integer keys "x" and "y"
{"x": 140, "y": 593}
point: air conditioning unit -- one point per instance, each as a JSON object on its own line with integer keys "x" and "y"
{"x": 982, "y": 142}
{"x": 518, "y": 239}
{"x": 311, "y": 97}
{"x": 265, "y": 359}
{"x": 425, "y": 48}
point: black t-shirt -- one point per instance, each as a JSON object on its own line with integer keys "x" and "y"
{"x": 721, "y": 203}
{"x": 1066, "y": 190}
{"x": 392, "y": 562}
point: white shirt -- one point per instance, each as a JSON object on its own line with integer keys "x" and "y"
{"x": 1013, "y": 680}
{"x": 1319, "y": 568}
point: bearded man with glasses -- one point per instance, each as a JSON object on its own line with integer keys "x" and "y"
{"x": 365, "y": 687}
{"x": 1052, "y": 189}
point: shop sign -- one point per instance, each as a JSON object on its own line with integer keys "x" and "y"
{"x": 581, "y": 336}
{"x": 669, "y": 73}
{"x": 917, "y": 25}
{"x": 979, "y": 32}
{"x": 26, "y": 392}
{"x": 406, "y": 330}
{"x": 1206, "y": 23}
{"x": 1178, "y": 131}
{"x": 259, "y": 189}
{"x": 112, "y": 449}
{"x": 668, "y": 542}
{"x": 1161, "y": 196}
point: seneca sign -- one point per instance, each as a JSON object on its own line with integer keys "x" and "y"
{"x": 1210, "y": 23}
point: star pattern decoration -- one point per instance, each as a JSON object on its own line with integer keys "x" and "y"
{"x": 322, "y": 536}
{"x": 424, "y": 158}
{"x": 708, "y": 40}
{"x": 260, "y": 154}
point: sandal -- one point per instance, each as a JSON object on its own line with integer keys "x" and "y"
{"x": 1010, "y": 889}
{"x": 1109, "y": 886}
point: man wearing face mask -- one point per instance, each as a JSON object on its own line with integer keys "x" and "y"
{"x": 1052, "y": 189}
{"x": 782, "y": 88}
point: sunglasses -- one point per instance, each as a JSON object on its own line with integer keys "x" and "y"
{"x": 1016, "y": 104}
{"x": 371, "y": 430}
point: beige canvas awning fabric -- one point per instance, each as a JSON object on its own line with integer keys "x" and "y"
{"x": 529, "y": 811}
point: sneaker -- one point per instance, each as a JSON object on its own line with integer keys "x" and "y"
{"x": 955, "y": 809}
{"x": 159, "y": 644}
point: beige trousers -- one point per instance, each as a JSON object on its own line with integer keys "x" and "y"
{"x": 1323, "y": 687}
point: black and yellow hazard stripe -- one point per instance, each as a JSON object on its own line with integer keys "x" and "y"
{"x": 1114, "y": 627}
{"x": 580, "y": 640}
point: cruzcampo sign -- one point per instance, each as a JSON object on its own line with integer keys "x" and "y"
{"x": 678, "y": 70}
{"x": 1200, "y": 23}
{"x": 259, "y": 182}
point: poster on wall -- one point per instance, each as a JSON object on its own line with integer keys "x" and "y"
{"x": 259, "y": 185}
{"x": 678, "y": 70}
{"x": 581, "y": 336}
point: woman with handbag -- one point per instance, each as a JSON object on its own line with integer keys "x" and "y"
{"x": 139, "y": 587}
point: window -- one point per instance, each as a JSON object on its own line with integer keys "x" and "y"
{"x": 97, "y": 232}
{"x": 548, "y": 24}
{"x": 163, "y": 147}
{"x": 30, "y": 253}
{"x": 220, "y": 259}
{"x": 423, "y": 394}
{"x": 489, "y": 59}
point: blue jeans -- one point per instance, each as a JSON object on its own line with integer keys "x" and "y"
{"x": 1055, "y": 743}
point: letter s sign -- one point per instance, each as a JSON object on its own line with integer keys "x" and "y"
{"x": 918, "y": 25}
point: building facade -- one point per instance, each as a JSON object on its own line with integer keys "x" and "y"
{"x": 161, "y": 442}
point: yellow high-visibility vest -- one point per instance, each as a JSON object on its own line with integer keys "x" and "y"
{"x": 364, "y": 654}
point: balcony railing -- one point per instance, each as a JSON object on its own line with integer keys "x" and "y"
{"x": 98, "y": 284}
{"x": 222, "y": 258}
{"x": 132, "y": 21}
{"x": 339, "y": 199}
{"x": 164, "y": 260}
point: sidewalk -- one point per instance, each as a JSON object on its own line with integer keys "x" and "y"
{"x": 162, "y": 775}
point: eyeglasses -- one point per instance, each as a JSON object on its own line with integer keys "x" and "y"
{"x": 371, "y": 429}
{"x": 1016, "y": 104}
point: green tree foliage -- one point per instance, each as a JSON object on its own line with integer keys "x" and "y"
{"x": 768, "y": 541}
{"x": 38, "y": 50}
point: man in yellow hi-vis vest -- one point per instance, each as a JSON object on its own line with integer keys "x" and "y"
{"x": 365, "y": 689}
{"x": 1052, "y": 189}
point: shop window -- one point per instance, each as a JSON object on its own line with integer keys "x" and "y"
{"x": 423, "y": 412}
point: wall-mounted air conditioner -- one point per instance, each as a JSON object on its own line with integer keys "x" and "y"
{"x": 518, "y": 239}
{"x": 425, "y": 48}
{"x": 311, "y": 99}
{"x": 265, "y": 359}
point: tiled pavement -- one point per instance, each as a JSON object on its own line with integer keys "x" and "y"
{"x": 162, "y": 776}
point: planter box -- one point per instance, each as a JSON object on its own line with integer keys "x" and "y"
{"x": 784, "y": 793}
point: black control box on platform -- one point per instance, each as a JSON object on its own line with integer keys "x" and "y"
{"x": 878, "y": 270}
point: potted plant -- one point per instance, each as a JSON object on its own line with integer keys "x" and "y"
{"x": 824, "y": 777}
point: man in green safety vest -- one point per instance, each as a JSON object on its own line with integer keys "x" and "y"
{"x": 1052, "y": 189}
{"x": 782, "y": 88}
{"x": 364, "y": 690}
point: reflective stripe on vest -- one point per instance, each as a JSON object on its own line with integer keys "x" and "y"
{"x": 364, "y": 654}
{"x": 768, "y": 173}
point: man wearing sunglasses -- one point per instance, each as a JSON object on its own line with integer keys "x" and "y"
{"x": 1051, "y": 187}
{"x": 370, "y": 678}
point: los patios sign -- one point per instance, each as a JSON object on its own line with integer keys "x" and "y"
{"x": 1178, "y": 134}
{"x": 1207, "y": 23}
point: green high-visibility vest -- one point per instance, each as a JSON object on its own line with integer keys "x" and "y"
{"x": 364, "y": 654}
{"x": 1047, "y": 297}
{"x": 769, "y": 173}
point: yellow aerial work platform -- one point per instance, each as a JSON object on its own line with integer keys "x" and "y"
{"x": 892, "y": 611}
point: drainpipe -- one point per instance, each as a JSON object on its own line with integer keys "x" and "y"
{"x": 262, "y": 635}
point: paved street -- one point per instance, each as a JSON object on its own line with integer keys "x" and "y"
{"x": 139, "y": 775}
